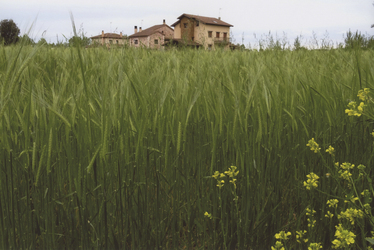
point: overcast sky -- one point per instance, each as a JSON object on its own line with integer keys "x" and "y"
{"x": 327, "y": 19}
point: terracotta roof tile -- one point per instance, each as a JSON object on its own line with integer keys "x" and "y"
{"x": 108, "y": 35}
{"x": 149, "y": 31}
{"x": 204, "y": 19}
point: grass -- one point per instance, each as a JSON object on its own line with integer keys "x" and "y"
{"x": 116, "y": 149}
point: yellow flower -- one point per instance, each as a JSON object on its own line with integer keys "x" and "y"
{"x": 329, "y": 215}
{"x": 344, "y": 237}
{"x": 312, "y": 181}
{"x": 354, "y": 109}
{"x": 216, "y": 175}
{"x": 231, "y": 173}
{"x": 333, "y": 203}
{"x": 345, "y": 175}
{"x": 282, "y": 235}
{"x": 311, "y": 222}
{"x": 278, "y": 246}
{"x": 365, "y": 193}
{"x": 220, "y": 183}
{"x": 206, "y": 214}
{"x": 347, "y": 166}
{"x": 350, "y": 198}
{"x": 315, "y": 246}
{"x": 299, "y": 236}
{"x": 330, "y": 150}
{"x": 363, "y": 94}
{"x": 351, "y": 214}
{"x": 313, "y": 145}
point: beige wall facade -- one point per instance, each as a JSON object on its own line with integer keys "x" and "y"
{"x": 154, "y": 40}
{"x": 116, "y": 41}
{"x": 205, "y": 34}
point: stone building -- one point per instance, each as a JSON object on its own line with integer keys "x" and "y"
{"x": 109, "y": 38}
{"x": 153, "y": 37}
{"x": 201, "y": 31}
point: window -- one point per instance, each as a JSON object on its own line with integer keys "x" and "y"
{"x": 193, "y": 38}
{"x": 197, "y": 23}
{"x": 111, "y": 41}
{"x": 185, "y": 25}
{"x": 225, "y": 35}
{"x": 210, "y": 33}
{"x": 209, "y": 47}
{"x": 217, "y": 34}
{"x": 117, "y": 41}
{"x": 136, "y": 41}
{"x": 156, "y": 41}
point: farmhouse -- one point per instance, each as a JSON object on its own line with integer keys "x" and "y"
{"x": 201, "y": 31}
{"x": 153, "y": 37}
{"x": 109, "y": 38}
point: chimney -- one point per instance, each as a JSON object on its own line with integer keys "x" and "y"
{"x": 102, "y": 37}
{"x": 120, "y": 34}
{"x": 102, "y": 33}
{"x": 164, "y": 22}
{"x": 140, "y": 29}
{"x": 136, "y": 29}
{"x": 219, "y": 18}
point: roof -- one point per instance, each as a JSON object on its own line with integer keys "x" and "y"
{"x": 204, "y": 19}
{"x": 150, "y": 31}
{"x": 108, "y": 35}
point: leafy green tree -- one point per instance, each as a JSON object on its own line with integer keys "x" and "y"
{"x": 26, "y": 40}
{"x": 79, "y": 41}
{"x": 9, "y": 31}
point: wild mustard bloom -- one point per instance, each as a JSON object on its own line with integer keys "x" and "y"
{"x": 330, "y": 150}
{"x": 216, "y": 175}
{"x": 220, "y": 183}
{"x": 312, "y": 181}
{"x": 231, "y": 173}
{"x": 233, "y": 181}
{"x": 343, "y": 237}
{"x": 372, "y": 133}
{"x": 206, "y": 214}
{"x": 315, "y": 246}
{"x": 310, "y": 211}
{"x": 345, "y": 175}
{"x": 365, "y": 193}
{"x": 282, "y": 235}
{"x": 313, "y": 145}
{"x": 300, "y": 236}
{"x": 347, "y": 166}
{"x": 278, "y": 246}
{"x": 329, "y": 215}
{"x": 351, "y": 214}
{"x": 350, "y": 198}
{"x": 363, "y": 94}
{"x": 311, "y": 222}
{"x": 355, "y": 110}
{"x": 367, "y": 208}
{"x": 333, "y": 203}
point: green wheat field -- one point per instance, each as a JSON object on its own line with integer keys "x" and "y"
{"x": 118, "y": 149}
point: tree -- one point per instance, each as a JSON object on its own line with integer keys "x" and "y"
{"x": 9, "y": 31}
{"x": 26, "y": 40}
{"x": 79, "y": 41}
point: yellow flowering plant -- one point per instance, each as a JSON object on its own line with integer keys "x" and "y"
{"x": 355, "y": 189}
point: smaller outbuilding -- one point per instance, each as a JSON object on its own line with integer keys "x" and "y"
{"x": 109, "y": 39}
{"x": 153, "y": 37}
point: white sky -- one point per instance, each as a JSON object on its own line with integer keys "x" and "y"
{"x": 51, "y": 18}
